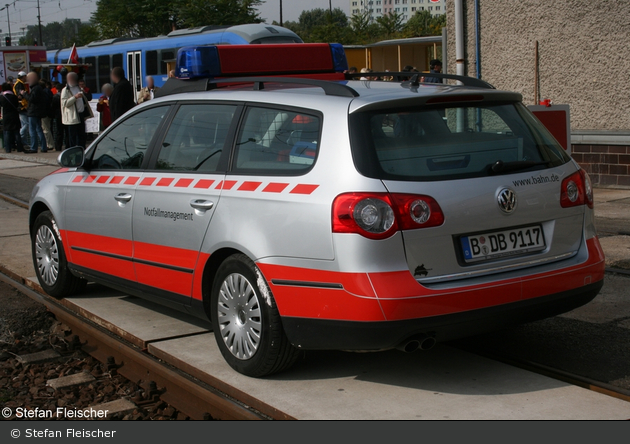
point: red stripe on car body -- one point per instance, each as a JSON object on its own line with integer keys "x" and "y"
{"x": 165, "y": 181}
{"x": 90, "y": 179}
{"x": 148, "y": 181}
{"x": 102, "y": 179}
{"x": 275, "y": 187}
{"x": 116, "y": 180}
{"x": 249, "y": 186}
{"x": 77, "y": 179}
{"x": 204, "y": 183}
{"x": 132, "y": 180}
{"x": 183, "y": 183}
{"x": 303, "y": 189}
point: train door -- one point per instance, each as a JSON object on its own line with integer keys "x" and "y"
{"x": 134, "y": 70}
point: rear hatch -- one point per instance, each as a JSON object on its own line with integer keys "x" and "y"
{"x": 495, "y": 172}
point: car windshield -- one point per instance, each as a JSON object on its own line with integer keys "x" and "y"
{"x": 453, "y": 142}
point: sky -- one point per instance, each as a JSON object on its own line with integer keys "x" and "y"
{"x": 23, "y": 13}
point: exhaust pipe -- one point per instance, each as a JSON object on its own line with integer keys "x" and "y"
{"x": 409, "y": 346}
{"x": 418, "y": 343}
{"x": 427, "y": 343}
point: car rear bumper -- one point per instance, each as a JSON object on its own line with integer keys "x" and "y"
{"x": 327, "y": 334}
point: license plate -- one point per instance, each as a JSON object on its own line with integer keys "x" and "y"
{"x": 498, "y": 244}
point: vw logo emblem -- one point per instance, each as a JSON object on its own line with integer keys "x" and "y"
{"x": 507, "y": 200}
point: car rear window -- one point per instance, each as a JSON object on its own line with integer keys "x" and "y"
{"x": 450, "y": 142}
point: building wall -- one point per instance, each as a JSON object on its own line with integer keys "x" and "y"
{"x": 583, "y": 54}
{"x": 405, "y": 7}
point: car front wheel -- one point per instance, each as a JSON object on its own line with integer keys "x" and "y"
{"x": 50, "y": 261}
{"x": 246, "y": 322}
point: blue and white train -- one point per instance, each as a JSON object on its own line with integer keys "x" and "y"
{"x": 149, "y": 56}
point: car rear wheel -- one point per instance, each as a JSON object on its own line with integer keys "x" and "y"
{"x": 247, "y": 325}
{"x": 50, "y": 261}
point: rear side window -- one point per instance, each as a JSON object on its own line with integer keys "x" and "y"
{"x": 196, "y": 138}
{"x": 277, "y": 142}
{"x": 125, "y": 146}
{"x": 438, "y": 143}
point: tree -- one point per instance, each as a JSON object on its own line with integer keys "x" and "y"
{"x": 58, "y": 35}
{"x": 364, "y": 30}
{"x": 193, "y": 13}
{"x": 133, "y": 18}
{"x": 391, "y": 24}
{"x": 150, "y": 18}
{"x": 319, "y": 25}
{"x": 423, "y": 24}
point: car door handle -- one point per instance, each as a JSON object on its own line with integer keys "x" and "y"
{"x": 123, "y": 197}
{"x": 201, "y": 204}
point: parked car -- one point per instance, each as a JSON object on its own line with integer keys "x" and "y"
{"x": 302, "y": 214}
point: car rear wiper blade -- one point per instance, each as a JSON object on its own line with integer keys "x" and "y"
{"x": 499, "y": 166}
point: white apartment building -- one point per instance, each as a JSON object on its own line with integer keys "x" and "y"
{"x": 407, "y": 8}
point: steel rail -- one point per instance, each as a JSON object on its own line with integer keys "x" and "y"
{"x": 187, "y": 394}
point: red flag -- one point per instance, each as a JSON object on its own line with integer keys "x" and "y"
{"x": 74, "y": 55}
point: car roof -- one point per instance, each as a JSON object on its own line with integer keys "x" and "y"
{"x": 369, "y": 94}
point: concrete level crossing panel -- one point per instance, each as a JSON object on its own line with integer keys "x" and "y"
{"x": 444, "y": 383}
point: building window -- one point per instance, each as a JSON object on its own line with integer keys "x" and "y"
{"x": 437, "y": 8}
{"x": 397, "y": 9}
{"x": 405, "y": 9}
{"x": 354, "y": 3}
{"x": 378, "y": 10}
{"x": 413, "y": 8}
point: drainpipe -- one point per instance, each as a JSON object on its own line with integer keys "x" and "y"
{"x": 477, "y": 40}
{"x": 459, "y": 37}
{"x": 459, "y": 56}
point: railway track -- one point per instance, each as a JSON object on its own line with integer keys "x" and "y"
{"x": 196, "y": 399}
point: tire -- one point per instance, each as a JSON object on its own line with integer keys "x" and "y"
{"x": 248, "y": 327}
{"x": 49, "y": 259}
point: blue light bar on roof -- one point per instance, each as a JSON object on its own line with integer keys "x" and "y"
{"x": 340, "y": 63}
{"x": 198, "y": 61}
{"x": 261, "y": 60}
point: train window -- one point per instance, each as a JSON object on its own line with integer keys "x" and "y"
{"x": 151, "y": 63}
{"x": 91, "y": 73}
{"x": 103, "y": 71}
{"x": 167, "y": 54}
{"x": 117, "y": 60}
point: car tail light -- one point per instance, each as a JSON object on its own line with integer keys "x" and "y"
{"x": 588, "y": 189}
{"x": 416, "y": 211}
{"x": 380, "y": 215}
{"x": 368, "y": 214}
{"x": 577, "y": 190}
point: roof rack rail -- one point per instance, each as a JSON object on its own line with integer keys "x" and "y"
{"x": 414, "y": 77}
{"x": 331, "y": 88}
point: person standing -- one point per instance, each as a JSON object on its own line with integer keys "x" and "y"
{"x": 436, "y": 68}
{"x": 10, "y": 119}
{"x": 38, "y": 108}
{"x": 74, "y": 108}
{"x": 122, "y": 98}
{"x": 18, "y": 87}
{"x": 147, "y": 93}
{"x": 103, "y": 106}
{"x": 60, "y": 131}
{"x": 47, "y": 119}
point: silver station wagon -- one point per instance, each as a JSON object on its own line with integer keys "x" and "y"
{"x": 322, "y": 212}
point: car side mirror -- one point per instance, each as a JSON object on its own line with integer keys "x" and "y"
{"x": 72, "y": 157}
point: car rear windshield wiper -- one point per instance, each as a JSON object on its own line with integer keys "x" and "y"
{"x": 499, "y": 166}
